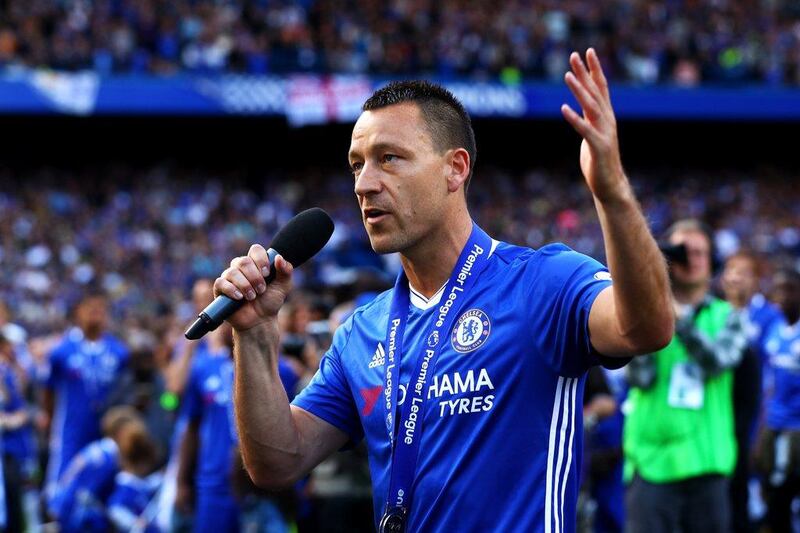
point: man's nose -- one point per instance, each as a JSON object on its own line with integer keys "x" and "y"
{"x": 368, "y": 180}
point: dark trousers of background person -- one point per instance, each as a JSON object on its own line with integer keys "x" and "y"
{"x": 779, "y": 461}
{"x": 12, "y": 483}
{"x": 695, "y": 505}
{"x": 746, "y": 403}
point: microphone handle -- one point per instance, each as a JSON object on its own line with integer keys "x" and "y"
{"x": 222, "y": 307}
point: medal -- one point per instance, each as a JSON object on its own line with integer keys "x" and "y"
{"x": 393, "y": 521}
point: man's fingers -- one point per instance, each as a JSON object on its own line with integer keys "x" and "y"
{"x": 580, "y": 72}
{"x": 596, "y": 71}
{"x": 223, "y": 286}
{"x": 578, "y": 122}
{"x": 259, "y": 256}
{"x": 588, "y": 104}
{"x": 283, "y": 274}
{"x": 252, "y": 273}
{"x": 240, "y": 281}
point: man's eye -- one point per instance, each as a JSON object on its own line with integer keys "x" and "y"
{"x": 389, "y": 157}
{"x": 355, "y": 167}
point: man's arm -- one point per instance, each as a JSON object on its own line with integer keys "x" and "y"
{"x": 279, "y": 442}
{"x": 187, "y": 463}
{"x": 177, "y": 371}
{"x": 635, "y": 315}
{"x": 718, "y": 354}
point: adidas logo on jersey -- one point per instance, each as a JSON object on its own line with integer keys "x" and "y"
{"x": 379, "y": 357}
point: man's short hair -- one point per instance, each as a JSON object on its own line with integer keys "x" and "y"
{"x": 746, "y": 255}
{"x": 448, "y": 122}
{"x": 690, "y": 225}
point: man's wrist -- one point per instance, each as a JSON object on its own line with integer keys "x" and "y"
{"x": 619, "y": 196}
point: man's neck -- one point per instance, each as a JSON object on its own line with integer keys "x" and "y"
{"x": 428, "y": 265}
{"x": 691, "y": 295}
{"x": 92, "y": 334}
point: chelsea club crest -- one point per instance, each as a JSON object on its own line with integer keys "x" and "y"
{"x": 471, "y": 331}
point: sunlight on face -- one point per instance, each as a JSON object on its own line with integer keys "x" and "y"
{"x": 400, "y": 178}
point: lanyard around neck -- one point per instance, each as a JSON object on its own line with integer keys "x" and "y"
{"x": 406, "y": 435}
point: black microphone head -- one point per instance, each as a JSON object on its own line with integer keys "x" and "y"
{"x": 303, "y": 236}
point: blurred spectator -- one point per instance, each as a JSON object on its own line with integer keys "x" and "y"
{"x": 145, "y": 239}
{"x": 17, "y": 451}
{"x": 79, "y": 499}
{"x": 679, "y": 441}
{"x": 604, "y": 492}
{"x": 740, "y": 285}
{"x": 135, "y": 485}
{"x": 86, "y": 375}
{"x": 640, "y": 42}
{"x": 184, "y": 356}
{"x": 207, "y": 450}
{"x": 779, "y": 446}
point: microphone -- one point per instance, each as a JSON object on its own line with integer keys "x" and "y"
{"x": 299, "y": 240}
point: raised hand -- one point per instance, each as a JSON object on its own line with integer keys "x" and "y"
{"x": 244, "y": 279}
{"x": 600, "y": 158}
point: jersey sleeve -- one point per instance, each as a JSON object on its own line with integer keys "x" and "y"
{"x": 328, "y": 395}
{"x": 53, "y": 368}
{"x": 192, "y": 401}
{"x": 566, "y": 286}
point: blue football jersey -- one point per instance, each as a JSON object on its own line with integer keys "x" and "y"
{"x": 759, "y": 318}
{"x": 87, "y": 482}
{"x": 130, "y": 498}
{"x": 783, "y": 351}
{"x": 83, "y": 374}
{"x": 501, "y": 441}
{"x": 209, "y": 399}
{"x": 21, "y": 442}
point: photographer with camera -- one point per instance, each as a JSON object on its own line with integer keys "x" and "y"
{"x": 679, "y": 436}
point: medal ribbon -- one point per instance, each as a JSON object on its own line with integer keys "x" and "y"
{"x": 405, "y": 442}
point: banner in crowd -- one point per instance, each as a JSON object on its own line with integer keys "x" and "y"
{"x": 313, "y": 99}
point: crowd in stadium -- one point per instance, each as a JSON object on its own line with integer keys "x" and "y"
{"x": 683, "y": 43}
{"x": 99, "y": 385}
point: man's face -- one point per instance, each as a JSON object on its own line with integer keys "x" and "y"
{"x": 202, "y": 294}
{"x": 786, "y": 294}
{"x": 739, "y": 279}
{"x": 698, "y": 251}
{"x": 92, "y": 313}
{"x": 400, "y": 178}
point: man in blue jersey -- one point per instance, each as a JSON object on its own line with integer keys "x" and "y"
{"x": 740, "y": 285}
{"x": 78, "y": 502}
{"x": 86, "y": 375}
{"x": 17, "y": 444}
{"x": 779, "y": 446}
{"x": 209, "y": 441}
{"x": 466, "y": 379}
{"x": 740, "y": 282}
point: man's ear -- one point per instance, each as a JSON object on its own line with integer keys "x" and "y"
{"x": 458, "y": 164}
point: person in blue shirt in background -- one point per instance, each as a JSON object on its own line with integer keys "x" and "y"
{"x": 779, "y": 443}
{"x": 209, "y": 448}
{"x": 185, "y": 355}
{"x": 18, "y": 442}
{"x": 79, "y": 499}
{"x": 136, "y": 484}
{"x": 86, "y": 374}
{"x": 740, "y": 284}
{"x": 604, "y": 395}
